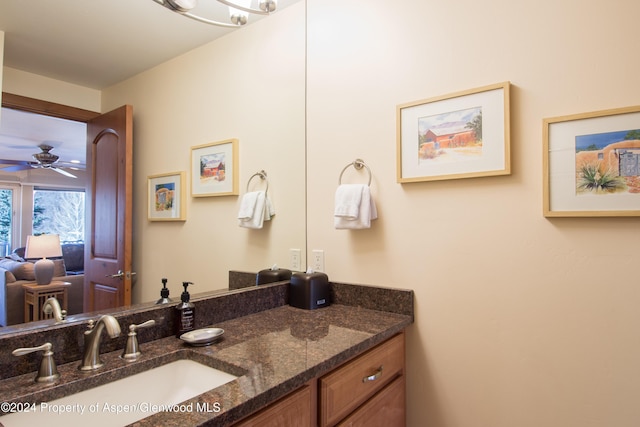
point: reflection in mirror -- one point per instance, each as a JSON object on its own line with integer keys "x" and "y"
{"x": 248, "y": 85}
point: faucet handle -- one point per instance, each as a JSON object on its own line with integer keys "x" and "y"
{"x": 133, "y": 328}
{"x": 132, "y": 349}
{"x": 48, "y": 371}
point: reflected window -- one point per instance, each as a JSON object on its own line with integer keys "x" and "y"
{"x": 59, "y": 212}
{"x": 6, "y": 220}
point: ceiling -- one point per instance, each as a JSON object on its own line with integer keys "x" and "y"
{"x": 94, "y": 44}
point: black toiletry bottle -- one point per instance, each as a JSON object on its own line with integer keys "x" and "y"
{"x": 164, "y": 293}
{"x": 185, "y": 313}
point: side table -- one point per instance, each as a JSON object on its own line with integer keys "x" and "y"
{"x": 35, "y": 296}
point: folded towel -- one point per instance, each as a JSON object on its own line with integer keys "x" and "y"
{"x": 248, "y": 205}
{"x": 257, "y": 214}
{"x": 367, "y": 210}
{"x": 348, "y": 199}
{"x": 269, "y": 210}
{"x": 255, "y": 208}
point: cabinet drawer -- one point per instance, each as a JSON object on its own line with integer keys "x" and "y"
{"x": 385, "y": 409}
{"x": 350, "y": 385}
{"x": 294, "y": 410}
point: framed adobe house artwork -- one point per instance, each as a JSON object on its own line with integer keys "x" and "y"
{"x": 591, "y": 164}
{"x": 214, "y": 169}
{"x": 166, "y": 197}
{"x": 460, "y": 135}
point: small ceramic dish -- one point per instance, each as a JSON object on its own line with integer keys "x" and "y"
{"x": 202, "y": 337}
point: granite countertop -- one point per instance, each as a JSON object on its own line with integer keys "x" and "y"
{"x": 272, "y": 352}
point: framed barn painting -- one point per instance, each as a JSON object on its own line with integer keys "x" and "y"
{"x": 166, "y": 198}
{"x": 460, "y": 135}
{"x": 591, "y": 164}
{"x": 214, "y": 169}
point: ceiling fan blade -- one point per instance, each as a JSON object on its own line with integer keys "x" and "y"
{"x": 14, "y": 162}
{"x": 64, "y": 172}
{"x": 14, "y": 165}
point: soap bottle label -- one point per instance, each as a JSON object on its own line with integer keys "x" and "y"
{"x": 185, "y": 320}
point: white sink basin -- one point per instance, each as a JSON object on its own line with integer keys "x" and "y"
{"x": 127, "y": 400}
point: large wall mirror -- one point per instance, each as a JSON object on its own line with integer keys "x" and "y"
{"x": 248, "y": 85}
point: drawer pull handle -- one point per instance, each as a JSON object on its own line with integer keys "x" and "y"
{"x": 377, "y": 374}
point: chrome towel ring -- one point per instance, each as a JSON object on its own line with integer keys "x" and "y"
{"x": 263, "y": 176}
{"x": 357, "y": 164}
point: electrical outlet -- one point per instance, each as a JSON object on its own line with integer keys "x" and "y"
{"x": 294, "y": 259}
{"x": 317, "y": 263}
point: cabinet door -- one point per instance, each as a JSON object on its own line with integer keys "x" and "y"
{"x": 350, "y": 385}
{"x": 294, "y": 410}
{"x": 385, "y": 409}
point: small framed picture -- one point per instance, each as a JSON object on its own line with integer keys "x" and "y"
{"x": 166, "y": 194}
{"x": 460, "y": 135}
{"x": 214, "y": 169}
{"x": 591, "y": 164}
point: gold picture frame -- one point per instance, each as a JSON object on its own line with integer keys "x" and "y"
{"x": 460, "y": 135}
{"x": 214, "y": 169}
{"x": 166, "y": 197}
{"x": 591, "y": 164}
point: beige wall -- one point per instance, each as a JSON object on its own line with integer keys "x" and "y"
{"x": 247, "y": 85}
{"x": 32, "y": 85}
{"x": 521, "y": 321}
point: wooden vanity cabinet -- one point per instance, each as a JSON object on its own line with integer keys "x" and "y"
{"x": 295, "y": 409}
{"x": 368, "y": 390}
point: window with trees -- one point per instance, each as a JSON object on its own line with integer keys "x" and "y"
{"x": 6, "y": 220}
{"x": 59, "y": 212}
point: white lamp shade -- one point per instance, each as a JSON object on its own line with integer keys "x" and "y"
{"x": 43, "y": 246}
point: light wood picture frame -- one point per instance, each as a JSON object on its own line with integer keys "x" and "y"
{"x": 214, "y": 169}
{"x": 459, "y": 135}
{"x": 591, "y": 164}
{"x": 166, "y": 197}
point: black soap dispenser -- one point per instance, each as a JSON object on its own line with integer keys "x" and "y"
{"x": 164, "y": 293}
{"x": 185, "y": 313}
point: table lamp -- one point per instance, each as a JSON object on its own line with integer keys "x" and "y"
{"x": 43, "y": 246}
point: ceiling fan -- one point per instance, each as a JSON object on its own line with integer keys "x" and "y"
{"x": 43, "y": 160}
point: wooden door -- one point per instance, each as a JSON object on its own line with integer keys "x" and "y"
{"x": 107, "y": 275}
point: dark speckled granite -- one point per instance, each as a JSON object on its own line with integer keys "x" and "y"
{"x": 241, "y": 279}
{"x": 273, "y": 350}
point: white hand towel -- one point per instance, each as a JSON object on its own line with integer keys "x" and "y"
{"x": 257, "y": 217}
{"x": 247, "y": 205}
{"x": 367, "y": 212}
{"x": 348, "y": 199}
{"x": 269, "y": 210}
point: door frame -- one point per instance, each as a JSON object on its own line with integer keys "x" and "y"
{"x": 45, "y": 108}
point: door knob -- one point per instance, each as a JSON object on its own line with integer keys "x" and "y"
{"x": 120, "y": 274}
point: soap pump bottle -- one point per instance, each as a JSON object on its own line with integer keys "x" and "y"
{"x": 185, "y": 312}
{"x": 164, "y": 293}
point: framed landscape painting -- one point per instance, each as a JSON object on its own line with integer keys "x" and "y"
{"x": 460, "y": 135}
{"x": 591, "y": 164}
{"x": 214, "y": 169}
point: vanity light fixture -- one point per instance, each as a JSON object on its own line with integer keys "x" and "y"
{"x": 239, "y": 10}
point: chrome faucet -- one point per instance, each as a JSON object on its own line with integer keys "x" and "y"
{"x": 51, "y": 305}
{"x": 92, "y": 338}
